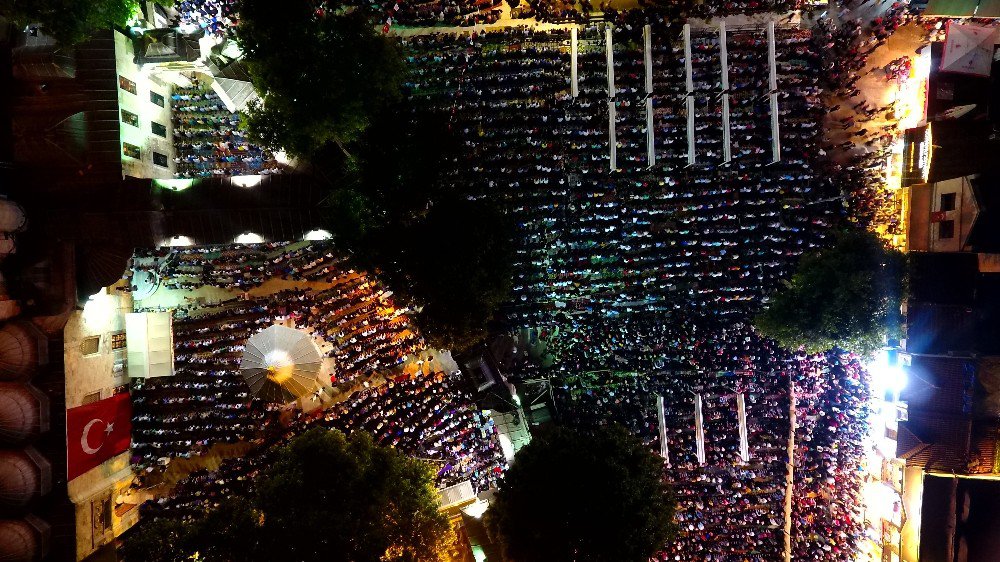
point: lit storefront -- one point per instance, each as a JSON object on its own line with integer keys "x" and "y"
{"x": 909, "y": 154}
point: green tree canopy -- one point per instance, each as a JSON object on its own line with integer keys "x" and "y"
{"x": 847, "y": 295}
{"x": 583, "y": 497}
{"x": 325, "y": 497}
{"x": 450, "y": 256}
{"x": 460, "y": 259}
{"x": 322, "y": 72}
{"x": 70, "y": 21}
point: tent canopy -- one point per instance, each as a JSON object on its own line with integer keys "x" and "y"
{"x": 968, "y": 49}
{"x": 280, "y": 364}
{"x": 235, "y": 94}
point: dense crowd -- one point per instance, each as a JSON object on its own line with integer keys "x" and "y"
{"x": 730, "y": 506}
{"x": 214, "y": 17}
{"x": 714, "y": 237}
{"x": 642, "y": 278}
{"x": 857, "y": 165}
{"x": 208, "y": 139}
{"x": 655, "y": 269}
{"x": 355, "y": 322}
{"x": 430, "y": 417}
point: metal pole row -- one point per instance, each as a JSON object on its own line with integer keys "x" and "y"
{"x": 647, "y": 39}
{"x": 573, "y": 73}
{"x": 727, "y": 150}
{"x": 773, "y": 92}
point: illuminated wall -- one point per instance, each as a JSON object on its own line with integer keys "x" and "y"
{"x": 146, "y": 129}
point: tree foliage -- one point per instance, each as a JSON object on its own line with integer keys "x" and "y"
{"x": 449, "y": 256}
{"x": 460, "y": 259}
{"x": 325, "y": 497}
{"x": 322, "y": 73}
{"x": 70, "y": 21}
{"x": 847, "y": 295}
{"x": 583, "y": 497}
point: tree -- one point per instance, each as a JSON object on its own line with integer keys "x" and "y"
{"x": 460, "y": 261}
{"x": 325, "y": 497}
{"x": 586, "y": 497}
{"x": 322, "y": 73}
{"x": 449, "y": 256}
{"x": 847, "y": 295}
{"x": 70, "y": 21}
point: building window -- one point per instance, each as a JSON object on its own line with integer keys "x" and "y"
{"x": 92, "y": 397}
{"x": 157, "y": 99}
{"x": 118, "y": 340}
{"x": 131, "y": 150}
{"x": 126, "y": 84}
{"x": 130, "y": 118}
{"x": 946, "y": 229}
{"x": 90, "y": 346}
{"x": 160, "y": 159}
{"x": 158, "y": 129}
{"x": 947, "y": 201}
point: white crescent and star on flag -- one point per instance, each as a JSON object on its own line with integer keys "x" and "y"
{"x": 84, "y": 438}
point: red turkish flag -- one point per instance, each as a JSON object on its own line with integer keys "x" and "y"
{"x": 938, "y": 216}
{"x": 96, "y": 432}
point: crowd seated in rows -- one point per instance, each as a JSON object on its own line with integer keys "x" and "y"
{"x": 354, "y": 321}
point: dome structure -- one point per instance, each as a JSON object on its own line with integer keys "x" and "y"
{"x": 23, "y": 540}
{"x": 24, "y": 475}
{"x": 18, "y": 351}
{"x": 24, "y": 413}
{"x": 11, "y": 216}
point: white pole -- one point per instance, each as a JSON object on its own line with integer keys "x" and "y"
{"x": 689, "y": 82}
{"x": 699, "y": 428}
{"x": 662, "y": 419}
{"x": 790, "y": 472}
{"x": 775, "y": 132}
{"x": 773, "y": 83}
{"x": 647, "y": 40}
{"x": 688, "y": 70}
{"x": 650, "y": 134}
{"x": 727, "y": 149}
{"x": 610, "y": 56}
{"x": 612, "y": 137}
{"x": 574, "y": 79}
{"x": 741, "y": 408}
{"x": 771, "y": 57}
{"x": 690, "y": 129}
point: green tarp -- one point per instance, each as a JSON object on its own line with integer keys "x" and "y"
{"x": 988, "y": 9}
{"x": 951, "y": 8}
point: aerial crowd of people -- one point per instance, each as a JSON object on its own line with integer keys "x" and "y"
{"x": 354, "y": 321}
{"x": 645, "y": 275}
{"x": 642, "y": 277}
{"x": 208, "y": 139}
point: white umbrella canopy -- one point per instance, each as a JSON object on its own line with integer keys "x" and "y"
{"x": 968, "y": 49}
{"x": 280, "y": 364}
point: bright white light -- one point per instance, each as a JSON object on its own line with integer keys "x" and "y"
{"x": 249, "y": 238}
{"x": 99, "y": 309}
{"x": 179, "y": 242}
{"x": 476, "y": 509}
{"x": 506, "y": 446}
{"x": 278, "y": 358}
{"x": 318, "y": 234}
{"x": 886, "y": 377}
{"x": 246, "y": 181}
{"x": 174, "y": 184}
